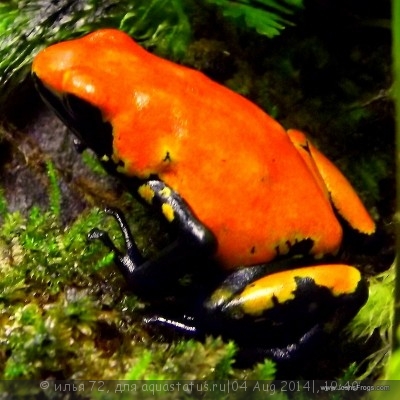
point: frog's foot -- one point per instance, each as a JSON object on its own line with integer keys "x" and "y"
{"x": 129, "y": 261}
{"x": 145, "y": 277}
{"x": 158, "y": 275}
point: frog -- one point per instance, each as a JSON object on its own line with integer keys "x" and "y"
{"x": 259, "y": 214}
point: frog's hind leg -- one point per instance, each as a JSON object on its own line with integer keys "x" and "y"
{"x": 287, "y": 311}
{"x": 281, "y": 316}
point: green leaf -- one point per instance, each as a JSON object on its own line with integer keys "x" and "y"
{"x": 265, "y": 16}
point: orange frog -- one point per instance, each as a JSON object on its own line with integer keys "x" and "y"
{"x": 243, "y": 195}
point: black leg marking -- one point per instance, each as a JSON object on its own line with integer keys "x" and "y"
{"x": 153, "y": 277}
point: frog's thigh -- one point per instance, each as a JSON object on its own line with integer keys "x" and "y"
{"x": 311, "y": 293}
{"x": 342, "y": 194}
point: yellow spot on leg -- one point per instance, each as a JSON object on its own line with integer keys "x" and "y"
{"x": 165, "y": 192}
{"x": 168, "y": 212}
{"x": 146, "y": 193}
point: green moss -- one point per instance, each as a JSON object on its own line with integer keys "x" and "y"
{"x": 188, "y": 360}
{"x": 378, "y": 311}
{"x": 3, "y": 203}
{"x": 263, "y": 371}
{"x": 50, "y": 310}
{"x": 63, "y": 312}
{"x": 32, "y": 343}
{"x": 54, "y": 190}
{"x": 92, "y": 161}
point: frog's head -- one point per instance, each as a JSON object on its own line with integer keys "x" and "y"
{"x": 80, "y": 89}
{"x": 115, "y": 97}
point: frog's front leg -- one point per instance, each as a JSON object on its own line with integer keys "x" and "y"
{"x": 194, "y": 240}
